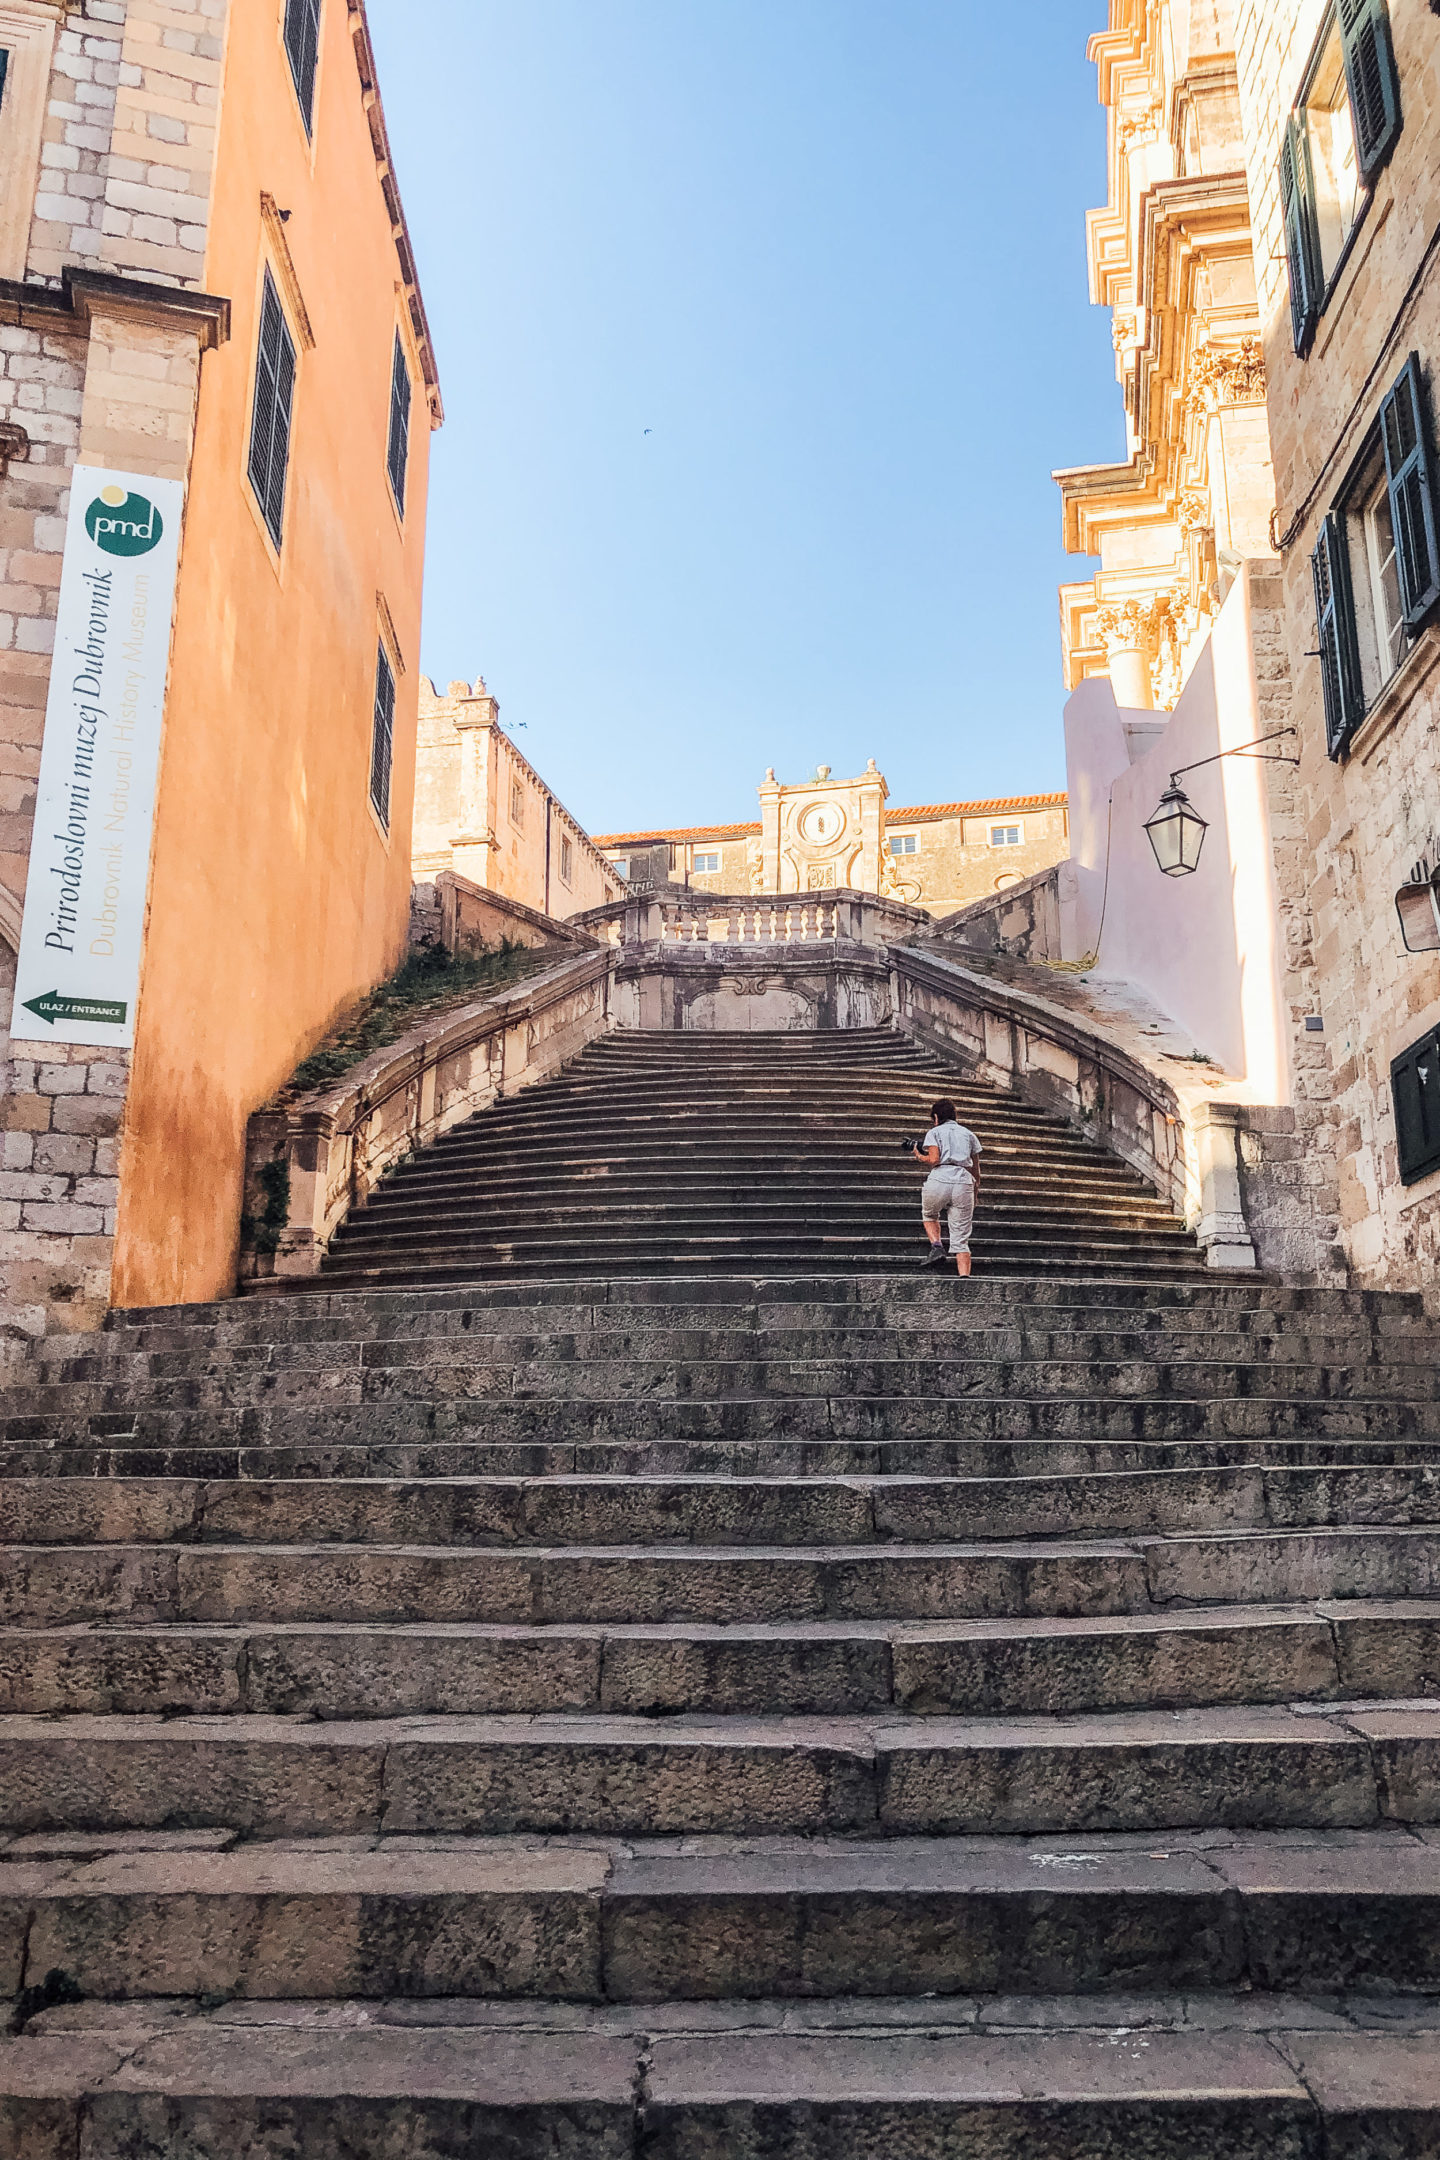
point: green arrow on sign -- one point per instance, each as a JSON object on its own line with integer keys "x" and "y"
{"x": 96, "y": 1012}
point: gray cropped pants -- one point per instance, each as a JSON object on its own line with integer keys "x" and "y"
{"x": 951, "y": 1191}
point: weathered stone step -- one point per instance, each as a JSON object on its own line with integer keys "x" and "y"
{"x": 478, "y": 1458}
{"x": 130, "y": 1356}
{"x": 1083, "y": 2078}
{"x": 593, "y": 1510}
{"x": 759, "y": 1301}
{"x": 961, "y": 1917}
{"x": 1187, "y": 1658}
{"x": 754, "y": 1381}
{"x": 723, "y": 1585}
{"x": 1329, "y": 1766}
{"x": 292, "y": 1418}
{"x": 1050, "y": 2079}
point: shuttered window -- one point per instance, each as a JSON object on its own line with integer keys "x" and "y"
{"x": 302, "y": 46}
{"x": 4, "y": 71}
{"x": 270, "y": 420}
{"x": 1408, "y": 472}
{"x": 1302, "y": 246}
{"x": 1415, "y": 1085}
{"x": 397, "y": 456}
{"x": 382, "y": 739}
{"x": 1370, "y": 75}
{"x": 1344, "y": 126}
{"x": 1335, "y": 621}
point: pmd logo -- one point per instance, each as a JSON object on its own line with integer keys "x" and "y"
{"x": 123, "y": 524}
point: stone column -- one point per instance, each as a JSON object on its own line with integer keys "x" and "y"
{"x": 1129, "y": 649}
{"x": 1222, "y": 1229}
{"x": 473, "y": 840}
{"x": 769, "y": 792}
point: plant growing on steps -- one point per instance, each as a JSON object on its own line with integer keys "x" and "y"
{"x": 427, "y": 978}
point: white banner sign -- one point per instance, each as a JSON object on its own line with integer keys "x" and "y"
{"x": 80, "y": 940}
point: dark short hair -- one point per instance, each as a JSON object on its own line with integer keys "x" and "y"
{"x": 944, "y": 1113}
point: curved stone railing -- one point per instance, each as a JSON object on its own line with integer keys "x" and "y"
{"x": 310, "y": 1163}
{"x": 1179, "y": 1140}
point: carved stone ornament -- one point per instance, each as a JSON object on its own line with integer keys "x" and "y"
{"x": 1124, "y": 329}
{"x": 1193, "y": 510}
{"x": 1221, "y": 378}
{"x": 1134, "y": 129}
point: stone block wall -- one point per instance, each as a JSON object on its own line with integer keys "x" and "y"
{"x": 1347, "y": 831}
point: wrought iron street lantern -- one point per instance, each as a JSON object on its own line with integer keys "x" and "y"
{"x": 1177, "y": 832}
{"x": 1418, "y": 906}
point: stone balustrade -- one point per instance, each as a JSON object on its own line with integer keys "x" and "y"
{"x": 310, "y": 1162}
{"x": 686, "y": 915}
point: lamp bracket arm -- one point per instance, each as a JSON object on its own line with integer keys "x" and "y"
{"x": 1250, "y": 749}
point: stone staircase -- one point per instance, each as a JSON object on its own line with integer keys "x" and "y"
{"x": 658, "y": 1152}
{"x": 804, "y": 1717}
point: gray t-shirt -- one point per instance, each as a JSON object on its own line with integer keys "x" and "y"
{"x": 957, "y": 1144}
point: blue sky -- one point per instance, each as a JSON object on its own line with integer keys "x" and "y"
{"x": 817, "y": 249}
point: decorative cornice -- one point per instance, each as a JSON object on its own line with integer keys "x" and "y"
{"x": 400, "y": 231}
{"x": 205, "y": 316}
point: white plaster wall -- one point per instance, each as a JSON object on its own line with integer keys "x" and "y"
{"x": 1207, "y": 947}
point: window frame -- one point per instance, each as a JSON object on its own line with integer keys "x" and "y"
{"x": 1411, "y": 473}
{"x": 1011, "y": 825}
{"x": 903, "y": 843}
{"x": 1414, "y": 1167}
{"x": 1367, "y": 55}
{"x": 272, "y": 513}
{"x": 567, "y": 859}
{"x": 707, "y": 862}
{"x": 399, "y": 373}
{"x": 311, "y": 15}
{"x": 382, "y": 734}
{"x": 517, "y": 803}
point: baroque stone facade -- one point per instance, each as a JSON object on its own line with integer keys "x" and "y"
{"x": 1171, "y": 255}
{"x": 482, "y": 810}
{"x": 827, "y": 834}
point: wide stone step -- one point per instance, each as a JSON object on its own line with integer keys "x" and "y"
{"x": 724, "y": 1585}
{"x": 780, "y": 1459}
{"x": 1084, "y": 2078}
{"x": 964, "y": 1917}
{"x": 1325, "y": 1767}
{"x": 592, "y": 1510}
{"x": 754, "y": 1381}
{"x": 1079, "y": 2079}
{"x": 617, "y": 1436}
{"x": 1189, "y": 1658}
{"x": 117, "y": 1359}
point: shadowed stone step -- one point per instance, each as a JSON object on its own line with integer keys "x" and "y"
{"x": 1158, "y": 2079}
{"x": 1327, "y": 1767}
{"x": 655, "y": 1923}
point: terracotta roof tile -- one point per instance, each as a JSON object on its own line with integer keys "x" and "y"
{"x": 906, "y": 816}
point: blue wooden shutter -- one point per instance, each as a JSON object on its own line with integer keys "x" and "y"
{"x": 1339, "y": 652}
{"x": 302, "y": 45}
{"x": 1302, "y": 240}
{"x": 1415, "y": 1086}
{"x": 1371, "y": 80}
{"x": 1412, "y": 493}
{"x": 270, "y": 421}
{"x": 382, "y": 740}
{"x": 397, "y": 457}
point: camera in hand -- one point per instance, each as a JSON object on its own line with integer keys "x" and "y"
{"x": 911, "y": 1146}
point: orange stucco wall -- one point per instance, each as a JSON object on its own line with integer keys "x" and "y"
{"x": 275, "y": 899}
